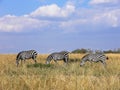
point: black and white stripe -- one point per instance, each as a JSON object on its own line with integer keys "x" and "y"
{"x": 63, "y": 55}
{"x": 96, "y": 57}
{"x": 23, "y": 55}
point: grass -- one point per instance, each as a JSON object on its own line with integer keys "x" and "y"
{"x": 30, "y": 76}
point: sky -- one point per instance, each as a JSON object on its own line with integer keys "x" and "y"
{"x": 55, "y": 25}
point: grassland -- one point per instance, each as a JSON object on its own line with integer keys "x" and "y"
{"x": 30, "y": 76}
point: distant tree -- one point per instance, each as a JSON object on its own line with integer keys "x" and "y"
{"x": 80, "y": 51}
{"x": 108, "y": 51}
{"x": 113, "y": 51}
{"x": 118, "y": 50}
{"x": 83, "y": 50}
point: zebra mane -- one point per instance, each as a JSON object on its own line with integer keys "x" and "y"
{"x": 64, "y": 52}
{"x": 89, "y": 51}
{"x": 99, "y": 52}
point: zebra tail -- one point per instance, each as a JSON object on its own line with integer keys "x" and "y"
{"x": 107, "y": 58}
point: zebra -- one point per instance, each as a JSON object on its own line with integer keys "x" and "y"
{"x": 23, "y": 55}
{"x": 56, "y": 56}
{"x": 94, "y": 57}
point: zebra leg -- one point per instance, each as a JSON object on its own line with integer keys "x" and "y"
{"x": 66, "y": 60}
{"x": 34, "y": 58}
{"x": 56, "y": 61}
{"x": 104, "y": 63}
{"x": 22, "y": 61}
{"x": 90, "y": 63}
{"x": 47, "y": 62}
{"x": 17, "y": 62}
{"x": 49, "y": 58}
{"x": 35, "y": 61}
{"x": 82, "y": 63}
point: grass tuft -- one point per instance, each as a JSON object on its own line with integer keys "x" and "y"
{"x": 40, "y": 65}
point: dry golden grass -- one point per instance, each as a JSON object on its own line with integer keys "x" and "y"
{"x": 30, "y": 76}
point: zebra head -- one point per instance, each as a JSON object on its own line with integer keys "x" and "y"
{"x": 49, "y": 58}
{"x": 82, "y": 63}
{"x": 84, "y": 59}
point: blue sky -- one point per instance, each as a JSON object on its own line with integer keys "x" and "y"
{"x": 55, "y": 25}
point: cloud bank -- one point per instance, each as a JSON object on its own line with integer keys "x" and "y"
{"x": 103, "y": 1}
{"x": 53, "y": 11}
{"x": 63, "y": 18}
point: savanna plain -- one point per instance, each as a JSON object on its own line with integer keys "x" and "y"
{"x": 30, "y": 76}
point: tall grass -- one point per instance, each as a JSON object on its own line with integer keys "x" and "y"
{"x": 30, "y": 76}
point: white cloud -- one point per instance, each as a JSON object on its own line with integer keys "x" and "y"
{"x": 81, "y": 20}
{"x": 108, "y": 18}
{"x": 73, "y": 25}
{"x": 11, "y": 23}
{"x": 92, "y": 19}
{"x": 66, "y": 18}
{"x": 103, "y": 1}
{"x": 54, "y": 11}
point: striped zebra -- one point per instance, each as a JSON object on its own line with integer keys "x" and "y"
{"x": 23, "y": 55}
{"x": 94, "y": 57}
{"x": 56, "y": 56}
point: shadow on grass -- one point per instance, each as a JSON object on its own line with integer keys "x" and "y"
{"x": 40, "y": 65}
{"x": 74, "y": 60}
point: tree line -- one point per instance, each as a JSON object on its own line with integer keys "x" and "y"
{"x": 83, "y": 50}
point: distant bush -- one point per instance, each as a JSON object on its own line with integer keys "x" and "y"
{"x": 80, "y": 51}
{"x": 113, "y": 51}
{"x": 83, "y": 50}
